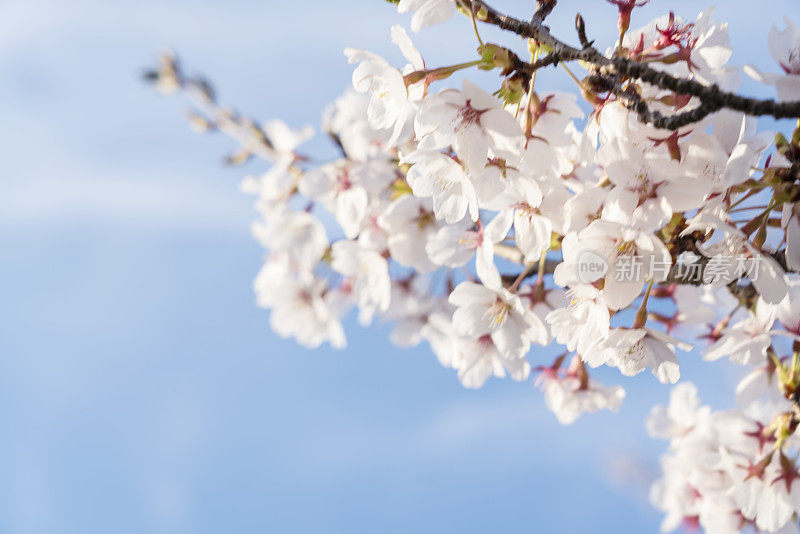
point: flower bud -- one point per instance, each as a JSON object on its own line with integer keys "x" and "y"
{"x": 624, "y": 20}
{"x": 167, "y": 76}
{"x": 414, "y": 77}
{"x": 512, "y": 90}
{"x": 761, "y": 234}
{"x": 494, "y": 56}
{"x": 589, "y": 92}
{"x": 625, "y": 8}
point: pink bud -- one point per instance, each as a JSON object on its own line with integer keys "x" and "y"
{"x": 625, "y": 8}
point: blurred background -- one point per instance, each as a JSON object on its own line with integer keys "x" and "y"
{"x": 141, "y": 389}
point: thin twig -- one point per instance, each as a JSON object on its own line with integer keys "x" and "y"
{"x": 580, "y": 26}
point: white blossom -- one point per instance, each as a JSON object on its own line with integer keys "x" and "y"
{"x": 747, "y": 341}
{"x": 391, "y": 102}
{"x": 437, "y": 176}
{"x": 498, "y": 313}
{"x": 633, "y": 350}
{"x": 784, "y": 47}
{"x": 569, "y": 394}
{"x": 470, "y": 120}
{"x": 367, "y": 273}
{"x": 427, "y": 12}
{"x": 410, "y": 224}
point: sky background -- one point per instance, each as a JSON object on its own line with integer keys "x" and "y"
{"x": 141, "y": 389}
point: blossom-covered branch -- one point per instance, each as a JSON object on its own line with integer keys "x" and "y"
{"x": 711, "y": 97}
{"x": 644, "y": 214}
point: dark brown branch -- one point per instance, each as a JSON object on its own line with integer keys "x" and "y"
{"x": 712, "y": 98}
{"x": 546, "y": 61}
{"x": 635, "y": 103}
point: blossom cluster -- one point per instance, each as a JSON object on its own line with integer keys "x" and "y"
{"x": 465, "y": 219}
{"x": 725, "y": 470}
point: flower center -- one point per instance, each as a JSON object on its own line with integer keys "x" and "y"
{"x": 467, "y": 116}
{"x": 673, "y": 34}
{"x": 626, "y": 248}
{"x": 425, "y": 219}
{"x": 343, "y": 182}
{"x": 792, "y": 65}
{"x": 441, "y": 182}
{"x": 713, "y": 172}
{"x": 470, "y": 240}
{"x": 523, "y": 208}
{"x": 304, "y": 298}
{"x": 498, "y": 313}
{"x": 644, "y": 187}
{"x": 637, "y": 350}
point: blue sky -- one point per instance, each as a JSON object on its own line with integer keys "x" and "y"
{"x": 140, "y": 387}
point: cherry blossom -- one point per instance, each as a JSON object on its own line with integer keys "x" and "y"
{"x": 498, "y": 313}
{"x": 584, "y": 322}
{"x": 391, "y": 102}
{"x": 769, "y": 277}
{"x": 367, "y": 272}
{"x": 427, "y": 12}
{"x": 784, "y": 47}
{"x": 747, "y": 341}
{"x": 470, "y": 120}
{"x": 454, "y": 246}
{"x": 790, "y": 221}
{"x": 302, "y": 311}
{"x": 480, "y": 358}
{"x": 633, "y": 350}
{"x": 410, "y": 224}
{"x": 345, "y": 190}
{"x": 437, "y": 176}
{"x": 788, "y": 312}
{"x": 617, "y": 245}
{"x": 649, "y": 186}
{"x": 571, "y": 393}
{"x": 300, "y": 234}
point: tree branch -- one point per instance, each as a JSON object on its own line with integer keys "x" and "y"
{"x": 712, "y": 98}
{"x": 210, "y": 115}
{"x": 635, "y": 103}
